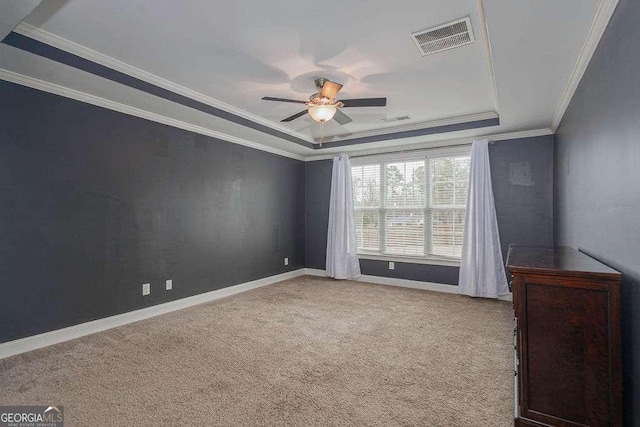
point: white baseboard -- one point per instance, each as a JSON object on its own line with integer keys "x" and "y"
{"x": 404, "y": 283}
{"x": 315, "y": 272}
{"x": 33, "y": 342}
{"x": 46, "y": 339}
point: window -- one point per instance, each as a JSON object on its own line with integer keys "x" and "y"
{"x": 412, "y": 206}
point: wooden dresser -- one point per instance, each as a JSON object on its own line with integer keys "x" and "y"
{"x": 567, "y": 338}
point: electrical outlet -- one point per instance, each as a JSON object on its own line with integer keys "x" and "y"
{"x": 146, "y": 289}
{"x": 286, "y": 261}
{"x": 392, "y": 265}
{"x": 169, "y": 284}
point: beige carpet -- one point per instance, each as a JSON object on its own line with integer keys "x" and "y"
{"x": 307, "y": 351}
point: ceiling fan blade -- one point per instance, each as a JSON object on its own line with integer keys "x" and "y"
{"x": 342, "y": 118}
{"x": 295, "y": 116}
{"x": 364, "y": 102}
{"x": 330, "y": 89}
{"x": 295, "y": 101}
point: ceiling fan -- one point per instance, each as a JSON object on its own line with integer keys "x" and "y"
{"x": 323, "y": 105}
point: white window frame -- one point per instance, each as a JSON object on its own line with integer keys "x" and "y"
{"x": 425, "y": 155}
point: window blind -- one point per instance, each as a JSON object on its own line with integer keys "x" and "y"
{"x": 366, "y": 202}
{"x": 413, "y": 207}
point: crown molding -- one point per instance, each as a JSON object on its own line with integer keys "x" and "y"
{"x": 518, "y": 135}
{"x": 484, "y": 29}
{"x": 115, "y": 64}
{"x": 598, "y": 26}
{"x": 45, "y": 86}
{"x": 439, "y": 143}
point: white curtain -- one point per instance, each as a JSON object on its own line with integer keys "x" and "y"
{"x": 482, "y": 272}
{"x": 342, "y": 258}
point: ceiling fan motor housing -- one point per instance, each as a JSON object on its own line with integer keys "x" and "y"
{"x": 316, "y": 99}
{"x": 320, "y": 82}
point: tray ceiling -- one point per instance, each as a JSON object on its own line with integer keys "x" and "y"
{"x": 232, "y": 54}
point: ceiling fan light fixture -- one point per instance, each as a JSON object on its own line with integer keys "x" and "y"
{"x": 322, "y": 113}
{"x": 323, "y": 106}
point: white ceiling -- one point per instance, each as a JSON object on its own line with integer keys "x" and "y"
{"x": 230, "y": 54}
{"x": 12, "y": 14}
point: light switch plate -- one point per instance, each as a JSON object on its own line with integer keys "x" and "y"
{"x": 392, "y": 265}
{"x": 286, "y": 261}
{"x": 146, "y": 289}
{"x": 169, "y": 284}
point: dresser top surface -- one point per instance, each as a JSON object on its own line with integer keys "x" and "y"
{"x": 557, "y": 260}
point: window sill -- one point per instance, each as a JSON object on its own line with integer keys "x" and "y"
{"x": 409, "y": 260}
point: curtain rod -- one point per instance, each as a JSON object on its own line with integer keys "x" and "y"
{"x": 491, "y": 142}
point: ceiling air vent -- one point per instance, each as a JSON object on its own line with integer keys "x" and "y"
{"x": 443, "y": 37}
{"x": 394, "y": 119}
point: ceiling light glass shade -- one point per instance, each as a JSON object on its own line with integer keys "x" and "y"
{"x": 322, "y": 113}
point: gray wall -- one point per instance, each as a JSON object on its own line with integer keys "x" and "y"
{"x": 522, "y": 174}
{"x": 93, "y": 203}
{"x": 317, "y": 192}
{"x": 598, "y": 176}
{"x": 522, "y": 179}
